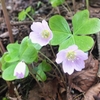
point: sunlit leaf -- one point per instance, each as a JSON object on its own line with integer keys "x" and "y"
{"x": 82, "y": 24}
{"x": 60, "y": 29}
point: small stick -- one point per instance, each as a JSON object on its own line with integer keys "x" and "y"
{"x": 2, "y": 49}
{"x": 21, "y": 23}
{"x": 98, "y": 39}
{"x": 7, "y": 21}
{"x": 87, "y": 4}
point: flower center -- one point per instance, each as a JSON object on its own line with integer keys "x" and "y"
{"x": 71, "y": 55}
{"x": 45, "y": 34}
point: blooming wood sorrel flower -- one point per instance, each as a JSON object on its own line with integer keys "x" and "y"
{"x": 20, "y": 69}
{"x": 41, "y": 33}
{"x": 72, "y": 58}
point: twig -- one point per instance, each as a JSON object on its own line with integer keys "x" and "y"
{"x": 7, "y": 21}
{"x": 87, "y": 4}
{"x": 21, "y": 23}
{"x": 17, "y": 94}
{"x": 98, "y": 39}
{"x": 2, "y": 49}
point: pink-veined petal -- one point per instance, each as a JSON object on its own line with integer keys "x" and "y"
{"x": 78, "y": 65}
{"x": 61, "y": 56}
{"x": 81, "y": 55}
{"x": 67, "y": 67}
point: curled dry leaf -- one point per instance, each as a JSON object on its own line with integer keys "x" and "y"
{"x": 84, "y": 79}
{"x": 92, "y": 93}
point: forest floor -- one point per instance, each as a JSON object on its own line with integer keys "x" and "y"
{"x": 83, "y": 85}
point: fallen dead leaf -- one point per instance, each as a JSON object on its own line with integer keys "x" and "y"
{"x": 50, "y": 90}
{"x": 92, "y": 93}
{"x": 34, "y": 93}
{"x": 84, "y": 79}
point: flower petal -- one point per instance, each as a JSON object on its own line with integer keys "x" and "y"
{"x": 61, "y": 56}
{"x": 79, "y": 65}
{"x": 37, "y": 27}
{"x": 45, "y": 25}
{"x": 68, "y": 67}
{"x": 36, "y": 35}
{"x": 35, "y": 38}
{"x": 19, "y": 70}
{"x": 81, "y": 55}
{"x": 72, "y": 47}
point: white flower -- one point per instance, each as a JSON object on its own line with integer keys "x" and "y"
{"x": 20, "y": 69}
{"x": 41, "y": 33}
{"x": 71, "y": 58}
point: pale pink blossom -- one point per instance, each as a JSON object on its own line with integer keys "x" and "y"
{"x": 41, "y": 33}
{"x": 20, "y": 70}
{"x": 71, "y": 58}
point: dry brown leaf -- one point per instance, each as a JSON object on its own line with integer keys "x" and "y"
{"x": 34, "y": 93}
{"x": 92, "y": 92}
{"x": 50, "y": 90}
{"x": 84, "y": 79}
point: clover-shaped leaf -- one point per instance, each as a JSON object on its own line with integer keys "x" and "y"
{"x": 82, "y": 24}
{"x": 27, "y": 51}
{"x": 83, "y": 42}
{"x": 60, "y": 29}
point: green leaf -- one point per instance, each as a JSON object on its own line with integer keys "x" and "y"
{"x": 2, "y": 58}
{"x": 13, "y": 52}
{"x": 13, "y": 48}
{"x": 22, "y": 15}
{"x": 82, "y": 24}
{"x": 39, "y": 4}
{"x": 41, "y": 76}
{"x": 56, "y": 3}
{"x": 9, "y": 58}
{"x": 28, "y": 9}
{"x": 27, "y": 51}
{"x": 8, "y": 73}
{"x": 84, "y": 43}
{"x": 44, "y": 66}
{"x": 6, "y": 65}
{"x": 60, "y": 29}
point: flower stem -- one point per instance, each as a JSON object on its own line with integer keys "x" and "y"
{"x": 29, "y": 16}
{"x": 52, "y": 51}
{"x": 87, "y": 4}
{"x": 30, "y": 69}
{"x": 52, "y": 63}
